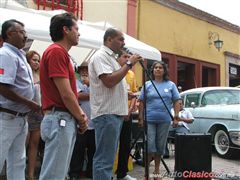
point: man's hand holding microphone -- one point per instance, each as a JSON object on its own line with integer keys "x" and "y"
{"x": 133, "y": 59}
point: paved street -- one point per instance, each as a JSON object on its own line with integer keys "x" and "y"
{"x": 227, "y": 169}
{"x": 219, "y": 166}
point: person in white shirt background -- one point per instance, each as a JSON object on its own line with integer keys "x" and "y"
{"x": 180, "y": 125}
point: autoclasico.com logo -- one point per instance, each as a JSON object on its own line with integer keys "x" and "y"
{"x": 190, "y": 174}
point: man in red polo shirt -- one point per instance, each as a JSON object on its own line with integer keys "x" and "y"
{"x": 59, "y": 98}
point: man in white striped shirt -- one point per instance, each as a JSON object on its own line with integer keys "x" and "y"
{"x": 108, "y": 100}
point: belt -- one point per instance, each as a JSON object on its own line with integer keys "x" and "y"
{"x": 15, "y": 113}
{"x": 58, "y": 109}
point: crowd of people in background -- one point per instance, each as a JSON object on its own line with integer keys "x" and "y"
{"x": 85, "y": 143}
{"x": 81, "y": 121}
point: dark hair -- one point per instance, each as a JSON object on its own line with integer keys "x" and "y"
{"x": 164, "y": 65}
{"x": 110, "y": 32}
{"x": 8, "y": 24}
{"x": 58, "y": 22}
{"x": 181, "y": 99}
{"x": 30, "y": 54}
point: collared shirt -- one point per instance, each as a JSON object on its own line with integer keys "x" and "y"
{"x": 183, "y": 114}
{"x": 131, "y": 83}
{"x": 105, "y": 100}
{"x": 85, "y": 104}
{"x": 16, "y": 72}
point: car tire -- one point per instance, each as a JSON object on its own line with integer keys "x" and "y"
{"x": 223, "y": 145}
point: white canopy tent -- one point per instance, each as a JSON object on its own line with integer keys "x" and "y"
{"x": 91, "y": 36}
{"x": 132, "y": 44}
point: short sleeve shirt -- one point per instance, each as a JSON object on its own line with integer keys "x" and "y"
{"x": 156, "y": 111}
{"x": 17, "y": 73}
{"x": 55, "y": 63}
{"x": 85, "y": 104}
{"x": 105, "y": 100}
{"x": 183, "y": 114}
{"x": 131, "y": 83}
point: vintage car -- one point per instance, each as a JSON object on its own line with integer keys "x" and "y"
{"x": 217, "y": 111}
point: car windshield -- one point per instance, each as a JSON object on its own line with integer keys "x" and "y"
{"x": 192, "y": 99}
{"x": 216, "y": 97}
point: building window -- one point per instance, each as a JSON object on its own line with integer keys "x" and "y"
{"x": 73, "y": 6}
{"x": 234, "y": 74}
{"x": 63, "y": 2}
{"x": 191, "y": 73}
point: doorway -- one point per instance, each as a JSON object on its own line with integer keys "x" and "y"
{"x": 186, "y": 75}
{"x": 234, "y": 75}
{"x": 208, "y": 76}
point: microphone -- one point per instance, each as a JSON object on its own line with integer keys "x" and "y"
{"x": 141, "y": 60}
{"x": 129, "y": 52}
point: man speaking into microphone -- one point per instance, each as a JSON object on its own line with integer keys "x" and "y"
{"x": 108, "y": 99}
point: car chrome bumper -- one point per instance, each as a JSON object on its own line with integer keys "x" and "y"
{"x": 235, "y": 137}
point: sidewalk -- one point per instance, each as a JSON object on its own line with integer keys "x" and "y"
{"x": 222, "y": 167}
{"x": 227, "y": 169}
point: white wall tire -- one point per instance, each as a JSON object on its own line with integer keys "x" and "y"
{"x": 223, "y": 145}
{"x": 221, "y": 142}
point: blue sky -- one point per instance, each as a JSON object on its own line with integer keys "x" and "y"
{"x": 228, "y": 10}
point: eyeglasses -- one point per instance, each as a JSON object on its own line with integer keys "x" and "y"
{"x": 20, "y": 31}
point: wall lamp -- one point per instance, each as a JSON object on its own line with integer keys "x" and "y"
{"x": 213, "y": 37}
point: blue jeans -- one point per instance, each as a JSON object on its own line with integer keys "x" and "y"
{"x": 59, "y": 143}
{"x": 157, "y": 137}
{"x": 172, "y": 133}
{"x": 107, "y": 132}
{"x": 13, "y": 133}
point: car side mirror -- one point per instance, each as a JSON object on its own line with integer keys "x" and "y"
{"x": 193, "y": 105}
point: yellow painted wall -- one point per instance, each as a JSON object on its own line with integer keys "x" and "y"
{"x": 173, "y": 32}
{"x": 113, "y": 11}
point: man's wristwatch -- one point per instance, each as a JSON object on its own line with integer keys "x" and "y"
{"x": 129, "y": 63}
